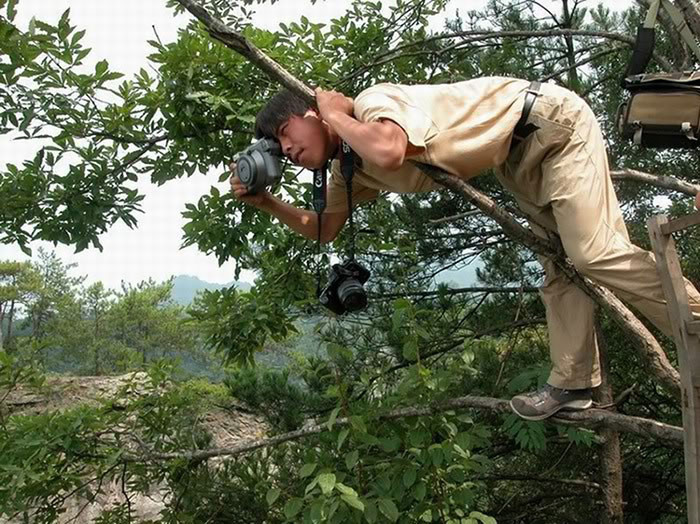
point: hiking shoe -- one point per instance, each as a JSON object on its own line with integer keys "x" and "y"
{"x": 546, "y": 401}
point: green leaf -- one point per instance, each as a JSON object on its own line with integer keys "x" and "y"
{"x": 351, "y": 459}
{"x": 409, "y": 477}
{"x": 370, "y": 512}
{"x": 353, "y": 501}
{"x": 306, "y": 470}
{"x": 101, "y": 67}
{"x": 333, "y": 417}
{"x": 347, "y": 490}
{"x": 410, "y": 349}
{"x": 292, "y": 507}
{"x": 419, "y": 491}
{"x": 389, "y": 509}
{"x": 342, "y": 436}
{"x": 272, "y": 495}
{"x": 482, "y": 518}
{"x": 327, "y": 482}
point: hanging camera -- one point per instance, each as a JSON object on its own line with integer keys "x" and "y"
{"x": 258, "y": 166}
{"x": 344, "y": 292}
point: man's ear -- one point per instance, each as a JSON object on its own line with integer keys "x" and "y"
{"x": 311, "y": 112}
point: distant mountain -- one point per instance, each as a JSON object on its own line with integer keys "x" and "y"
{"x": 185, "y": 287}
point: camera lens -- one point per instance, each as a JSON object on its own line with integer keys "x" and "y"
{"x": 245, "y": 169}
{"x": 352, "y": 295}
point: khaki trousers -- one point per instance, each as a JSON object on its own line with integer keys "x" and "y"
{"x": 560, "y": 178}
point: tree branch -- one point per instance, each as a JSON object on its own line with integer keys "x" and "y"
{"x": 645, "y": 342}
{"x": 458, "y": 291}
{"x": 237, "y": 42}
{"x": 591, "y": 418}
{"x": 667, "y": 182}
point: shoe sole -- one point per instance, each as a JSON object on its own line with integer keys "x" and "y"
{"x": 574, "y": 405}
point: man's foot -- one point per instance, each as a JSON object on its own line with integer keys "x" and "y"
{"x": 546, "y": 401}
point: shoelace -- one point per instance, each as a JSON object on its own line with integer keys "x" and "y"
{"x": 542, "y": 393}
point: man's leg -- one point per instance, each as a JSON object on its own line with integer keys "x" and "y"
{"x": 573, "y": 347}
{"x": 591, "y": 227}
{"x": 573, "y": 350}
{"x": 571, "y": 325}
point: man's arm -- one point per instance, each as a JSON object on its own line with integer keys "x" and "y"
{"x": 300, "y": 220}
{"x": 383, "y": 143}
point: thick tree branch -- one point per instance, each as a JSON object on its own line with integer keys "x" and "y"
{"x": 237, "y": 42}
{"x": 648, "y": 346}
{"x": 645, "y": 342}
{"x": 591, "y": 418}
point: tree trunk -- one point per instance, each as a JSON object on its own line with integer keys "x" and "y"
{"x": 9, "y": 323}
{"x": 96, "y": 343}
{"x": 574, "y": 82}
{"x": 610, "y": 458}
{"x": 2, "y": 318}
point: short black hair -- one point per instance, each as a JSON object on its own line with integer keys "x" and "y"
{"x": 279, "y": 109}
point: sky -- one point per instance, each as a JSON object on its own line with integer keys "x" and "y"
{"x": 117, "y": 30}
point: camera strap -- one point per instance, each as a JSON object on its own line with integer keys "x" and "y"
{"x": 319, "y": 204}
{"x": 347, "y": 169}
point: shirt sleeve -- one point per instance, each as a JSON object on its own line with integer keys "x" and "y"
{"x": 385, "y": 101}
{"x": 336, "y": 195}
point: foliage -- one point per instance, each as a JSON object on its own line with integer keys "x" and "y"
{"x": 417, "y": 344}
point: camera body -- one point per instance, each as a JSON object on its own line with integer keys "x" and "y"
{"x": 344, "y": 292}
{"x": 258, "y": 166}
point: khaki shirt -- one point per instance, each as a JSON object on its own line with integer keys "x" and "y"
{"x": 465, "y": 128}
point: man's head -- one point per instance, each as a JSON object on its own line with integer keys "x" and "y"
{"x": 305, "y": 138}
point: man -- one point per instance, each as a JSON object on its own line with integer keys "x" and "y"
{"x": 555, "y": 165}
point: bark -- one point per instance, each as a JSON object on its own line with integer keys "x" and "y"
{"x": 591, "y": 418}
{"x": 664, "y": 181}
{"x": 645, "y": 343}
{"x": 610, "y": 456}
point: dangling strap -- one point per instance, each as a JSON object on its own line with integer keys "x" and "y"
{"x": 644, "y": 44}
{"x": 681, "y": 25}
{"x": 319, "y": 203}
{"x": 347, "y": 168}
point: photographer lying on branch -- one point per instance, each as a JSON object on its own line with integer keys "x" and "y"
{"x": 548, "y": 151}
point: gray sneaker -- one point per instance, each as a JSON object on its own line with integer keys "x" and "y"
{"x": 546, "y": 401}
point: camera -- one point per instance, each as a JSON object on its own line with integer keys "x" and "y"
{"x": 258, "y": 166}
{"x": 344, "y": 291}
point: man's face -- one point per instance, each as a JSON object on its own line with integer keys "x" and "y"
{"x": 305, "y": 140}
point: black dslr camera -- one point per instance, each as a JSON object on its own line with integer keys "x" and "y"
{"x": 258, "y": 166}
{"x": 344, "y": 291}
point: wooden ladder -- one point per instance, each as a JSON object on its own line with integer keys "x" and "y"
{"x": 686, "y": 333}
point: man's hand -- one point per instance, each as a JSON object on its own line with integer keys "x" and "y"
{"x": 241, "y": 192}
{"x": 330, "y": 102}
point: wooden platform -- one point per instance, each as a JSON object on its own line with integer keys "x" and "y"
{"x": 686, "y": 333}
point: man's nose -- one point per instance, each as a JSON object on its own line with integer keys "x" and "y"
{"x": 286, "y": 146}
